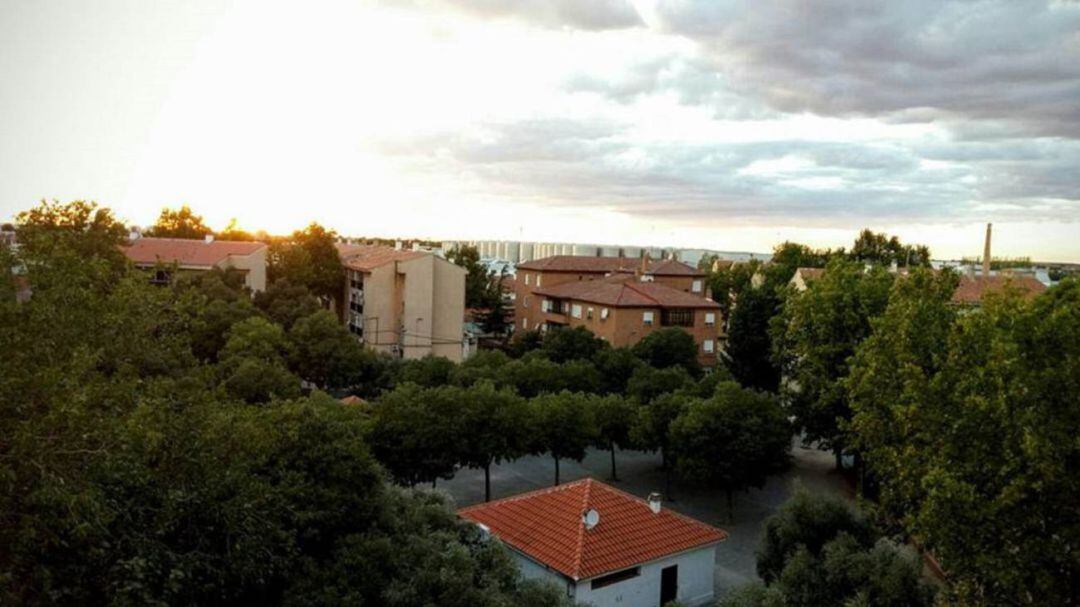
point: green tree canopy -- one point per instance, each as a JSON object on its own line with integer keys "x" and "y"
{"x": 813, "y": 339}
{"x": 733, "y": 440}
{"x": 418, "y": 432}
{"x": 309, "y": 257}
{"x": 323, "y": 351}
{"x": 877, "y": 248}
{"x": 495, "y": 428}
{"x": 285, "y": 302}
{"x": 477, "y": 278}
{"x": 669, "y": 347}
{"x": 566, "y": 344}
{"x": 179, "y": 223}
{"x": 616, "y": 366}
{"x": 614, "y": 416}
{"x": 563, "y": 426}
{"x": 748, "y": 355}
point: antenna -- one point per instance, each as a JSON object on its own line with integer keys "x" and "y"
{"x": 591, "y": 518}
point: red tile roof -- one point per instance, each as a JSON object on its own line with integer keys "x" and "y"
{"x": 365, "y": 258}
{"x": 187, "y": 252}
{"x": 547, "y": 526}
{"x": 972, "y": 290}
{"x": 622, "y": 290}
{"x": 588, "y": 264}
{"x": 810, "y": 272}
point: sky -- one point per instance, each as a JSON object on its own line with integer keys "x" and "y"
{"x": 716, "y": 124}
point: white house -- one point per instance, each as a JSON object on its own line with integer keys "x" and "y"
{"x": 606, "y": 547}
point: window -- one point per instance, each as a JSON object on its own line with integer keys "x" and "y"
{"x": 538, "y": 280}
{"x": 526, "y": 278}
{"x": 525, "y": 302}
{"x": 575, "y": 310}
{"x": 677, "y": 317}
{"x": 588, "y": 313}
{"x": 603, "y": 313}
{"x": 545, "y": 306}
{"x": 707, "y": 346}
{"x": 696, "y": 286}
{"x": 647, "y": 318}
{"x": 615, "y": 578}
{"x": 525, "y": 323}
{"x": 710, "y": 319}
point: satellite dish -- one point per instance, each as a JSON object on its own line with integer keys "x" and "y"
{"x": 591, "y": 518}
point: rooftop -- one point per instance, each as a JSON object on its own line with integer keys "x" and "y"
{"x": 972, "y": 290}
{"x": 365, "y": 258}
{"x": 589, "y": 264}
{"x": 547, "y": 526}
{"x": 187, "y": 252}
{"x": 622, "y": 290}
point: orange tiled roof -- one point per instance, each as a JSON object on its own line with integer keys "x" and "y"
{"x": 810, "y": 272}
{"x": 622, "y": 290}
{"x": 547, "y": 526}
{"x": 365, "y": 258}
{"x": 972, "y": 290}
{"x": 589, "y": 264}
{"x": 187, "y": 252}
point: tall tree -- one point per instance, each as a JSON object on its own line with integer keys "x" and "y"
{"x": 614, "y": 416}
{"x": 813, "y": 339}
{"x": 562, "y": 426}
{"x": 417, "y": 432}
{"x": 309, "y": 257}
{"x": 732, "y": 441}
{"x": 323, "y": 352}
{"x": 566, "y": 344}
{"x": 495, "y": 428}
{"x": 878, "y": 248}
{"x": 970, "y": 426}
{"x": 179, "y": 223}
{"x": 54, "y": 233}
{"x": 669, "y": 347}
{"x": 616, "y": 366}
{"x": 477, "y": 278}
{"x": 749, "y": 350}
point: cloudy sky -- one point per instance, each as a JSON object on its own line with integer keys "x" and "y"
{"x": 730, "y": 125}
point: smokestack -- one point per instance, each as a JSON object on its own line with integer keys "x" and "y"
{"x": 986, "y": 252}
{"x": 644, "y": 264}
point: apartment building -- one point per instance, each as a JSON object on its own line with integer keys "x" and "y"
{"x": 163, "y": 256}
{"x": 620, "y": 300}
{"x": 406, "y": 303}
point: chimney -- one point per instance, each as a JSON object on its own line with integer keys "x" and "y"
{"x": 654, "y": 502}
{"x": 644, "y": 264}
{"x": 416, "y": 246}
{"x": 397, "y": 245}
{"x": 986, "y": 252}
{"x": 208, "y": 238}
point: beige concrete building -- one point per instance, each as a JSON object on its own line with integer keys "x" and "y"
{"x": 406, "y": 303}
{"x": 161, "y": 255}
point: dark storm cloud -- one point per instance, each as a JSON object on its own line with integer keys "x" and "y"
{"x": 574, "y": 14}
{"x": 1016, "y": 62}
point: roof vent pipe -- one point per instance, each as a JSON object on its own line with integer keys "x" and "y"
{"x": 591, "y": 518}
{"x": 654, "y": 502}
{"x": 208, "y": 238}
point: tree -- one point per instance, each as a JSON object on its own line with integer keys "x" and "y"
{"x": 614, "y": 416}
{"x": 477, "y": 277}
{"x": 310, "y": 258}
{"x": 54, "y": 232}
{"x": 285, "y": 302}
{"x": 648, "y": 383}
{"x": 417, "y": 432}
{"x": 807, "y": 520}
{"x": 652, "y": 425}
{"x": 872, "y": 247}
{"x": 233, "y": 232}
{"x": 566, "y": 344}
{"x": 496, "y": 315}
{"x": 972, "y": 443}
{"x": 669, "y": 347}
{"x": 616, "y": 366}
{"x": 323, "y": 351}
{"x": 495, "y": 428}
{"x": 525, "y": 342}
{"x": 733, "y": 440}
{"x": 429, "y": 371}
{"x": 790, "y": 256}
{"x": 253, "y": 362}
{"x": 813, "y": 339}
{"x": 179, "y": 223}
{"x": 749, "y": 350}
{"x": 728, "y": 283}
{"x": 562, "y": 426}
{"x": 817, "y": 550}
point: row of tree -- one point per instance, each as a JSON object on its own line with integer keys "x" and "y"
{"x": 961, "y": 421}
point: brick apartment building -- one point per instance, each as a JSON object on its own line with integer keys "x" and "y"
{"x": 407, "y": 303}
{"x": 620, "y": 300}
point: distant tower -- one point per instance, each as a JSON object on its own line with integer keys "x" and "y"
{"x": 986, "y": 252}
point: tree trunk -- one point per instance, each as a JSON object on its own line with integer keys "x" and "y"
{"x": 556, "y": 470}
{"x": 614, "y": 474}
{"x": 434, "y": 483}
{"x": 839, "y": 454}
{"x": 730, "y": 506}
{"x": 487, "y": 482}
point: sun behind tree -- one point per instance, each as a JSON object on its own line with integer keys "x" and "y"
{"x": 180, "y": 223}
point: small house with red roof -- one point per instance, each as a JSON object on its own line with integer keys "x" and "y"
{"x": 606, "y": 547}
{"x": 161, "y": 255}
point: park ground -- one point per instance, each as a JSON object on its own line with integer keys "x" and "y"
{"x": 640, "y": 474}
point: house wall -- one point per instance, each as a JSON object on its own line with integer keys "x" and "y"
{"x": 695, "y": 586}
{"x": 626, "y": 326}
{"x": 448, "y": 302}
{"x": 532, "y": 570}
{"x": 254, "y": 266}
{"x": 382, "y": 317}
